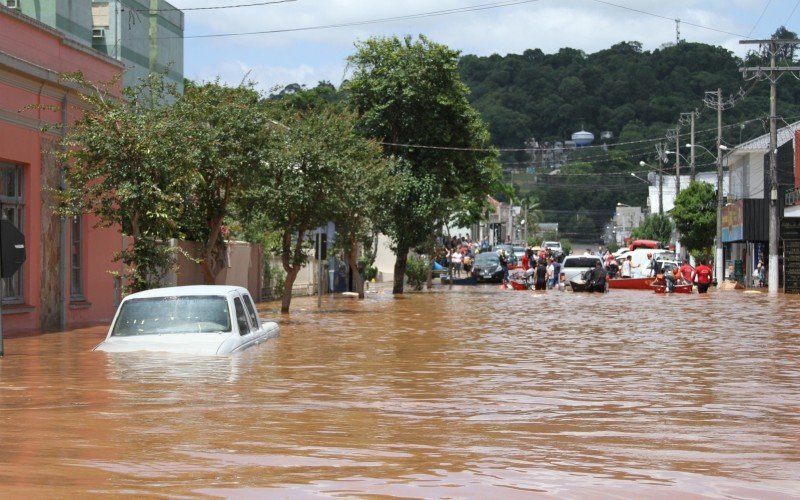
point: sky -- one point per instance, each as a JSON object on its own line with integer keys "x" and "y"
{"x": 299, "y": 41}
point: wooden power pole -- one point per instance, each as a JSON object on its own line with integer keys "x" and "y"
{"x": 771, "y": 73}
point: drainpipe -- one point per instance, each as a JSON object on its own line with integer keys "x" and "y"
{"x": 62, "y": 262}
{"x": 153, "y": 36}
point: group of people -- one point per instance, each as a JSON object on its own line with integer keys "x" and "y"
{"x": 460, "y": 252}
{"x": 685, "y": 274}
{"x": 541, "y": 267}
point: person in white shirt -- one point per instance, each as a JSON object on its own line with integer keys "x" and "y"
{"x": 458, "y": 260}
{"x": 627, "y": 267}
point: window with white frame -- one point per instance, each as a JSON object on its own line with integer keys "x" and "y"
{"x": 12, "y": 207}
{"x": 76, "y": 258}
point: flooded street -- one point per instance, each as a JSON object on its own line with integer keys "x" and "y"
{"x": 469, "y": 392}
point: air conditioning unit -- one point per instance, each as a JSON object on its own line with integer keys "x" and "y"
{"x": 98, "y": 33}
{"x": 12, "y": 4}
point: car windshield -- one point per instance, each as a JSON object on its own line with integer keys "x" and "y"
{"x": 519, "y": 249}
{"x": 487, "y": 259}
{"x": 169, "y": 315}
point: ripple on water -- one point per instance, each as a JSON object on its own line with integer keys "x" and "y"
{"x": 468, "y": 392}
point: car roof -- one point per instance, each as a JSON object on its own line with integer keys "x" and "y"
{"x": 184, "y": 291}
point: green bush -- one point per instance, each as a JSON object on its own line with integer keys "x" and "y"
{"x": 370, "y": 272}
{"x": 417, "y": 271}
{"x": 279, "y": 278}
{"x": 274, "y": 279}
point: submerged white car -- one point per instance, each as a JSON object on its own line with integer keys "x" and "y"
{"x": 202, "y": 320}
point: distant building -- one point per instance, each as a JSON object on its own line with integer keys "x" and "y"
{"x": 145, "y": 35}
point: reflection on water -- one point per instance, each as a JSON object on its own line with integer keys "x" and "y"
{"x": 469, "y": 392}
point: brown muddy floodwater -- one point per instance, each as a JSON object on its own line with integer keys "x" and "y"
{"x": 472, "y": 392}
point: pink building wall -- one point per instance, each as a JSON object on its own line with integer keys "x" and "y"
{"x": 32, "y": 56}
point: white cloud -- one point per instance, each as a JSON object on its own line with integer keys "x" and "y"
{"x": 270, "y": 77}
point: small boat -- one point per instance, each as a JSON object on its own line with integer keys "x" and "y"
{"x": 676, "y": 289}
{"x": 578, "y": 284}
{"x": 630, "y": 283}
{"x": 471, "y": 280}
{"x": 519, "y": 285}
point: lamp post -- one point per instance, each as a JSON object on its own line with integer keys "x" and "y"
{"x": 622, "y": 215}
{"x": 718, "y": 250}
{"x": 660, "y": 188}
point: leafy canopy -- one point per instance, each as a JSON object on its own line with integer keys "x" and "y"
{"x": 695, "y": 215}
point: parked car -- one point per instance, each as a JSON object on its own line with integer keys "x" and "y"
{"x": 202, "y": 320}
{"x": 553, "y": 246}
{"x": 574, "y": 266}
{"x": 487, "y": 267}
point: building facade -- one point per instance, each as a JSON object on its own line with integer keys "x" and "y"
{"x": 145, "y": 35}
{"x": 745, "y": 218}
{"x": 65, "y": 280}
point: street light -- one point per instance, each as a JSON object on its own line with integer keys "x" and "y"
{"x": 677, "y": 169}
{"x": 660, "y": 188}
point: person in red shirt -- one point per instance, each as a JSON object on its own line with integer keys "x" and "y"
{"x": 702, "y": 276}
{"x": 687, "y": 271}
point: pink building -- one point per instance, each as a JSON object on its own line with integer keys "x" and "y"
{"x": 66, "y": 278}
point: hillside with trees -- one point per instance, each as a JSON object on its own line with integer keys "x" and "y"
{"x": 633, "y": 95}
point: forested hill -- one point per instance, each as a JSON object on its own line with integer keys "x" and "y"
{"x": 633, "y": 93}
{"x": 636, "y": 95}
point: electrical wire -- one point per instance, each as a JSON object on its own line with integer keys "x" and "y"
{"x": 421, "y": 15}
{"x": 170, "y": 9}
{"x": 786, "y": 23}
{"x": 759, "y": 18}
{"x": 670, "y": 19}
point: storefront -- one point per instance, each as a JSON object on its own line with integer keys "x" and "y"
{"x": 745, "y": 233}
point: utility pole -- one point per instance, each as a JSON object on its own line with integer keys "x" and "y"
{"x": 677, "y": 160}
{"x": 691, "y": 153}
{"x": 772, "y": 73}
{"x": 714, "y": 100}
{"x": 719, "y": 267}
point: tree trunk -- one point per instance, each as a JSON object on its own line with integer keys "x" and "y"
{"x": 431, "y": 260}
{"x": 352, "y": 261}
{"x": 287, "y": 289}
{"x": 430, "y": 274}
{"x": 400, "y": 269}
{"x": 209, "y": 263}
{"x": 287, "y": 260}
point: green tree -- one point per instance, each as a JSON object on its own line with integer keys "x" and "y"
{"x": 408, "y": 92}
{"x": 695, "y": 215}
{"x": 656, "y": 227}
{"x": 298, "y": 184}
{"x": 224, "y": 134}
{"x": 365, "y": 183}
{"x": 123, "y": 163}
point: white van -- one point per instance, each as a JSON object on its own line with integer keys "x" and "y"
{"x": 640, "y": 262}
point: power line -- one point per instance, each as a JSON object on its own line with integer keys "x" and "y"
{"x": 669, "y": 18}
{"x": 584, "y": 148}
{"x": 421, "y": 15}
{"x": 791, "y": 13}
{"x": 169, "y": 9}
{"x": 759, "y": 18}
